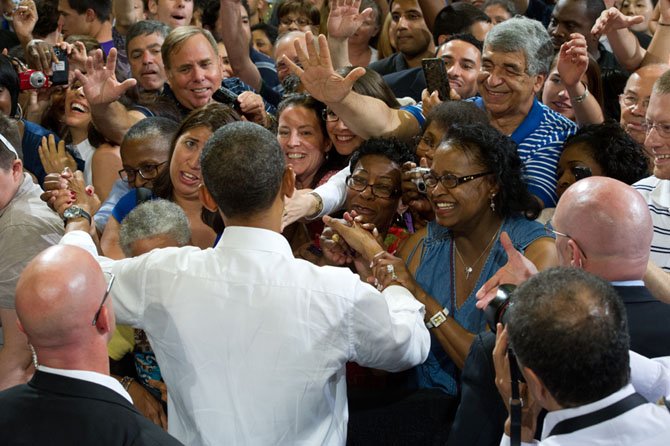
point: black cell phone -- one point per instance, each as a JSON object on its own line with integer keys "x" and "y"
{"x": 225, "y": 96}
{"x": 435, "y": 73}
{"x": 59, "y": 69}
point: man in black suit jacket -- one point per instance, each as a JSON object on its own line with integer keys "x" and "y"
{"x": 601, "y": 225}
{"x": 62, "y": 307}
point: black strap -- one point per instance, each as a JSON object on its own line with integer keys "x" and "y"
{"x": 571, "y": 425}
{"x": 515, "y": 403}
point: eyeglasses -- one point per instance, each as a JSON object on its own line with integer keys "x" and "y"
{"x": 450, "y": 181}
{"x": 110, "y": 281}
{"x": 148, "y": 172}
{"x": 329, "y": 116}
{"x": 662, "y": 129}
{"x": 300, "y": 21}
{"x": 359, "y": 184}
{"x": 549, "y": 229}
{"x": 630, "y": 102}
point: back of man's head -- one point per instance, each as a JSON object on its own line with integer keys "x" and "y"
{"x": 242, "y": 166}
{"x": 57, "y": 297}
{"x": 569, "y": 327}
{"x": 611, "y": 223}
{"x": 528, "y": 36}
{"x": 101, "y": 8}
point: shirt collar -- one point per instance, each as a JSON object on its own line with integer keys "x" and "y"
{"x": 87, "y": 375}
{"x": 627, "y": 283}
{"x": 529, "y": 124}
{"x": 248, "y": 238}
{"x": 555, "y": 417}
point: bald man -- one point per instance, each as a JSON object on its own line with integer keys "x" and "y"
{"x": 602, "y": 226}
{"x": 62, "y": 306}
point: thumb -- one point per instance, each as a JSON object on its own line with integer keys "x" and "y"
{"x": 507, "y": 245}
{"x": 424, "y": 162}
{"x": 353, "y": 76}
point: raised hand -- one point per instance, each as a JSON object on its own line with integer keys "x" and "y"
{"x": 611, "y": 20}
{"x": 84, "y": 195}
{"x": 252, "y": 107}
{"x": 573, "y": 60}
{"x": 317, "y": 75}
{"x": 99, "y": 82}
{"x": 344, "y": 18}
{"x": 24, "y": 20}
{"x": 54, "y": 157}
{"x": 517, "y": 270}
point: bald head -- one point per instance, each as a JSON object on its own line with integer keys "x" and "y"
{"x": 57, "y": 296}
{"x": 610, "y": 222}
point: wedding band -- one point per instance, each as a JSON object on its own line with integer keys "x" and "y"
{"x": 336, "y": 238}
{"x": 390, "y": 269}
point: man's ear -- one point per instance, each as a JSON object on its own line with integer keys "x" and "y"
{"x": 539, "y": 83}
{"x": 206, "y": 199}
{"x": 17, "y": 169}
{"x": 153, "y": 6}
{"x": 576, "y": 257}
{"x": 20, "y": 325}
{"x": 288, "y": 182}
{"x": 90, "y": 15}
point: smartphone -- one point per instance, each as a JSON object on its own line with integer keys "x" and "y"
{"x": 435, "y": 73}
{"x": 225, "y": 96}
{"x": 60, "y": 68}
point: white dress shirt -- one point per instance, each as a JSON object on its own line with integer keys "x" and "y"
{"x": 645, "y": 425}
{"x": 252, "y": 343}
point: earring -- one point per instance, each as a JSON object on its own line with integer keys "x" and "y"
{"x": 493, "y": 204}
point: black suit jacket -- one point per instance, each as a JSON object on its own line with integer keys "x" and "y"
{"x": 648, "y": 321}
{"x": 56, "y": 410}
{"x": 481, "y": 415}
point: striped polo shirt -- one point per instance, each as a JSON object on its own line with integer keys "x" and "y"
{"x": 656, "y": 193}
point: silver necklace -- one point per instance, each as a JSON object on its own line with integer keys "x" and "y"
{"x": 468, "y": 269}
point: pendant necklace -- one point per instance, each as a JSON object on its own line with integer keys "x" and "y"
{"x": 469, "y": 269}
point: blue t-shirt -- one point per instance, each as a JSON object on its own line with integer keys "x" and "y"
{"x": 436, "y": 275}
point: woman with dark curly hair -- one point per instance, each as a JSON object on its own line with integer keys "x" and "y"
{"x": 476, "y": 188}
{"x": 602, "y": 150}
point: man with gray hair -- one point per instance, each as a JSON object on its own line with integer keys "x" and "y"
{"x": 27, "y": 226}
{"x": 245, "y": 322}
{"x": 515, "y": 62}
{"x": 154, "y": 224}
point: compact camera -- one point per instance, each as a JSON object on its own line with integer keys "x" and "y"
{"x": 33, "y": 79}
{"x": 420, "y": 184}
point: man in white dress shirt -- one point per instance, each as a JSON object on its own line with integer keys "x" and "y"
{"x": 251, "y": 342}
{"x": 569, "y": 333}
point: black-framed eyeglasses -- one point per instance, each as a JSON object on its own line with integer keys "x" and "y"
{"x": 450, "y": 180}
{"x": 359, "y": 184}
{"x": 328, "y": 115}
{"x": 148, "y": 172}
{"x": 300, "y": 21}
{"x": 110, "y": 281}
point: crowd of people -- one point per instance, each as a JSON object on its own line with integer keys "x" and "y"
{"x": 242, "y": 222}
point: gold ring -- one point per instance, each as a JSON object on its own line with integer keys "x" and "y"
{"x": 336, "y": 238}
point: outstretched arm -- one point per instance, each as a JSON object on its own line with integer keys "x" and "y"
{"x": 103, "y": 91}
{"x": 237, "y": 46}
{"x": 364, "y": 115}
{"x": 343, "y": 22}
{"x": 614, "y": 24}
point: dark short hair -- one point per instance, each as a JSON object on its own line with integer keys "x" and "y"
{"x": 469, "y": 38}
{"x": 102, "y": 8}
{"x": 10, "y": 131}
{"x": 47, "y": 18}
{"x": 449, "y": 113}
{"x": 269, "y": 30}
{"x": 507, "y": 5}
{"x": 457, "y": 18}
{"x": 617, "y": 154}
{"x": 242, "y": 167}
{"x": 9, "y": 79}
{"x": 569, "y": 326}
{"x": 146, "y": 27}
{"x": 211, "y": 116}
{"x": 372, "y": 84}
{"x": 392, "y": 148}
{"x": 497, "y": 153}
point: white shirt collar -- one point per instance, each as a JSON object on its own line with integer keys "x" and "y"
{"x": 244, "y": 237}
{"x": 553, "y": 418}
{"x": 627, "y": 283}
{"x": 94, "y": 377}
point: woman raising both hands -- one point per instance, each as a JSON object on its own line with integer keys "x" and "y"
{"x": 476, "y": 190}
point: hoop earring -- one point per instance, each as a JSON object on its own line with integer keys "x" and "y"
{"x": 19, "y": 112}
